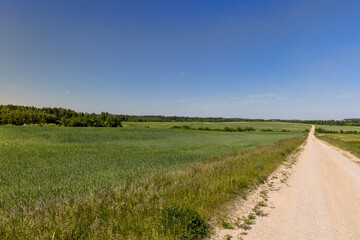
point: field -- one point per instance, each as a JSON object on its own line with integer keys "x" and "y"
{"x": 348, "y": 142}
{"x": 275, "y": 126}
{"x": 338, "y": 128}
{"x": 61, "y": 177}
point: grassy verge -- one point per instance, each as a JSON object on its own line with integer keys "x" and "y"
{"x": 347, "y": 142}
{"x": 165, "y": 205}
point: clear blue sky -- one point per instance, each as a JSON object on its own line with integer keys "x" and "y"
{"x": 254, "y": 59}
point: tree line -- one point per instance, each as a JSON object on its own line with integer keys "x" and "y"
{"x": 22, "y": 115}
{"x": 154, "y": 118}
{"x": 345, "y": 122}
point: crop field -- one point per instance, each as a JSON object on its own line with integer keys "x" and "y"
{"x": 54, "y": 175}
{"x": 275, "y": 126}
{"x": 338, "y": 128}
{"x": 345, "y": 137}
{"x": 347, "y": 142}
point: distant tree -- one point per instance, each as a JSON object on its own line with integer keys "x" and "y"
{"x": 20, "y": 115}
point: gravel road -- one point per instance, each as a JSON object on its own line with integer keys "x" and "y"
{"x": 321, "y": 201}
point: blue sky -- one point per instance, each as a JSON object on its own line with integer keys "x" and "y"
{"x": 251, "y": 59}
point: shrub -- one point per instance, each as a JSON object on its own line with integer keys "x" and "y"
{"x": 240, "y": 129}
{"x": 183, "y": 222}
{"x": 227, "y": 129}
{"x": 321, "y": 130}
{"x": 267, "y": 130}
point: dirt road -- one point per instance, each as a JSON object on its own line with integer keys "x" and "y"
{"x": 322, "y": 200}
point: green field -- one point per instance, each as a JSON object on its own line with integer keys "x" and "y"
{"x": 345, "y": 137}
{"x": 347, "y": 142}
{"x": 55, "y": 180}
{"x": 39, "y": 163}
{"x": 275, "y": 126}
{"x": 338, "y": 128}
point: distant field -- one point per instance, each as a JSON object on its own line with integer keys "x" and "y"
{"x": 275, "y": 126}
{"x": 338, "y": 128}
{"x": 40, "y": 163}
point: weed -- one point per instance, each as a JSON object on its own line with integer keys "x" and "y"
{"x": 261, "y": 204}
{"x": 226, "y": 225}
{"x": 245, "y": 226}
{"x": 251, "y": 216}
{"x": 228, "y": 237}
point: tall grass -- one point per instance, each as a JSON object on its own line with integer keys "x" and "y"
{"x": 136, "y": 209}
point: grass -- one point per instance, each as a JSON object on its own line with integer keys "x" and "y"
{"x": 41, "y": 163}
{"x": 101, "y": 183}
{"x": 348, "y": 142}
{"x": 338, "y": 128}
{"x": 275, "y": 126}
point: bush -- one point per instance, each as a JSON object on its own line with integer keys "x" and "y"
{"x": 183, "y": 222}
{"x": 321, "y": 130}
{"x": 227, "y": 129}
{"x": 267, "y": 130}
{"x": 240, "y": 129}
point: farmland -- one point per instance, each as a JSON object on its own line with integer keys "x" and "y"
{"x": 51, "y": 174}
{"x": 275, "y": 126}
{"x": 348, "y": 142}
{"x": 338, "y": 128}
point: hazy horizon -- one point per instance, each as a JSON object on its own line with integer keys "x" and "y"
{"x": 249, "y": 59}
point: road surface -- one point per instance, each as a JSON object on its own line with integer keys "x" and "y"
{"x": 322, "y": 200}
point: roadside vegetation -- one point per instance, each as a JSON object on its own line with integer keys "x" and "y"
{"x": 347, "y": 142}
{"x": 100, "y": 183}
{"x": 344, "y": 137}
